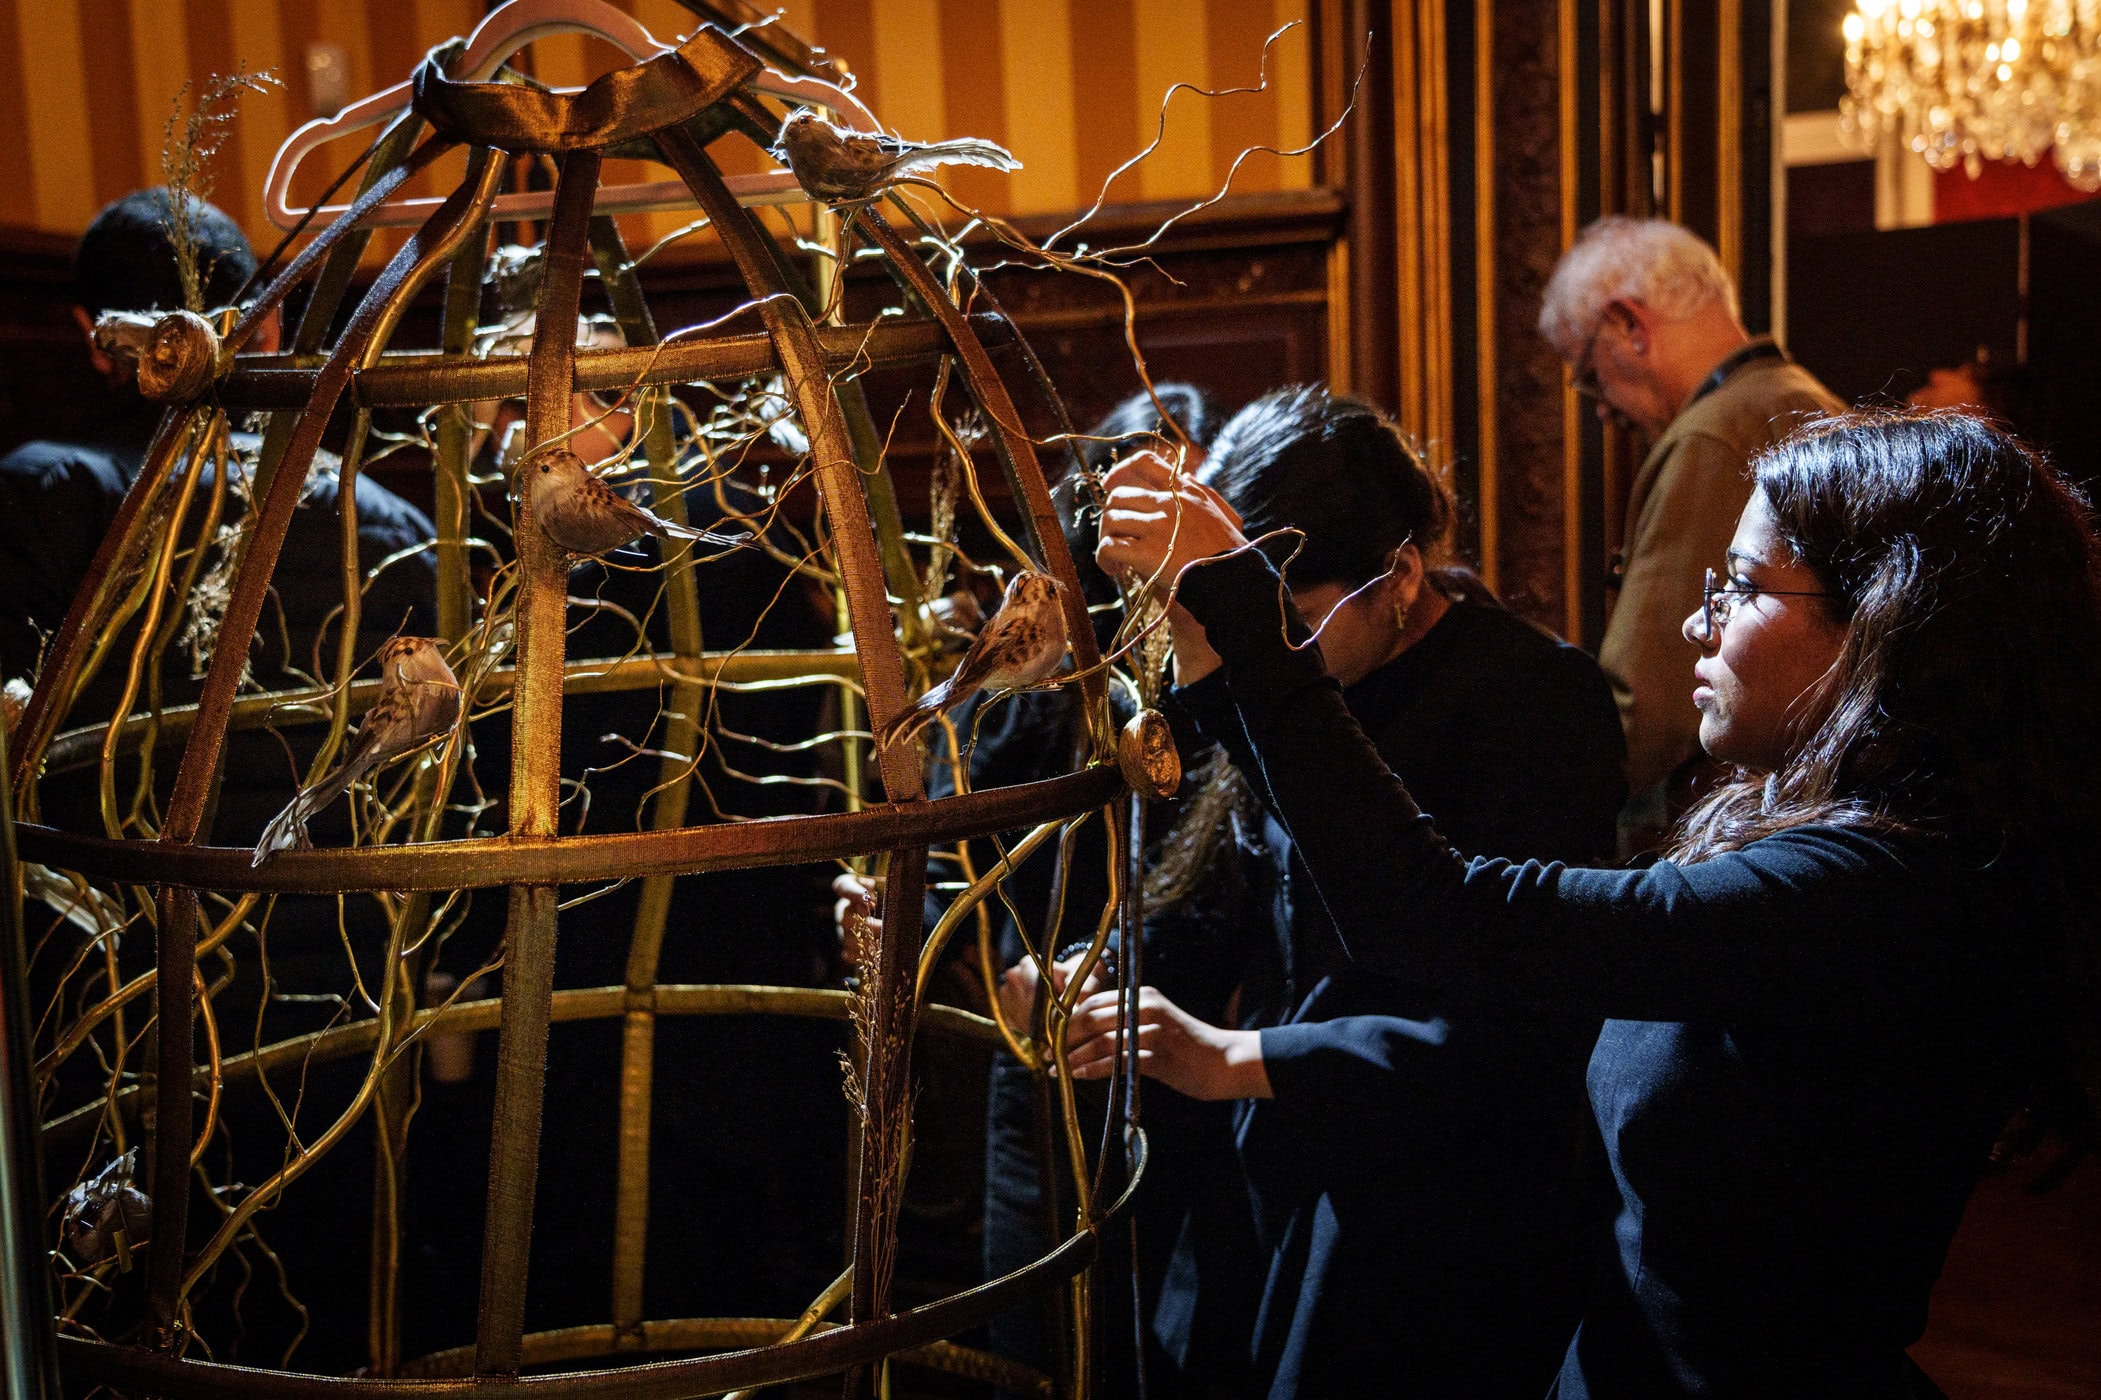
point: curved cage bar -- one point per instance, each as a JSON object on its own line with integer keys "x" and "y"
{"x": 131, "y": 1058}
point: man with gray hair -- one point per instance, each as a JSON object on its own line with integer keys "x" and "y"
{"x": 1648, "y": 322}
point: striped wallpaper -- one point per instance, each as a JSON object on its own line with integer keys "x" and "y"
{"x": 1073, "y": 87}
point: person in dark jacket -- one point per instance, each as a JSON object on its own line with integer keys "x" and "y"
{"x": 1857, "y": 957}
{"x": 1411, "y": 1155}
{"x": 59, "y": 497}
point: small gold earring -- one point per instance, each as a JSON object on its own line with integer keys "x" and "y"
{"x": 1400, "y": 617}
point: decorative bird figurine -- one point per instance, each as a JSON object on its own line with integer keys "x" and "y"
{"x": 583, "y": 515}
{"x": 840, "y": 165}
{"x": 1020, "y": 645}
{"x": 419, "y": 699}
{"x": 108, "y": 1215}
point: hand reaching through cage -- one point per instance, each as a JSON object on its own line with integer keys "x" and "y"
{"x": 853, "y": 915}
{"x": 1156, "y": 521}
{"x": 1187, "y": 1055}
{"x": 1018, "y": 985}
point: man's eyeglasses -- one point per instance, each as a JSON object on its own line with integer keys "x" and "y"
{"x": 1718, "y": 601}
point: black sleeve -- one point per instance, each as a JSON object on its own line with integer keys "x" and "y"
{"x": 1807, "y": 914}
{"x": 1203, "y": 712}
{"x": 54, "y": 509}
{"x": 395, "y": 538}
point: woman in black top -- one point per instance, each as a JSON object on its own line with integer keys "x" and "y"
{"x": 1410, "y": 1245}
{"x": 1832, "y": 992}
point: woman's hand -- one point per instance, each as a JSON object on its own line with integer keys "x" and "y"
{"x": 1187, "y": 1055}
{"x": 1017, "y": 988}
{"x": 1156, "y": 522}
{"x": 853, "y": 913}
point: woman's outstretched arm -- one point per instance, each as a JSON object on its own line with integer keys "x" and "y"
{"x": 1803, "y": 915}
{"x": 1802, "y": 918}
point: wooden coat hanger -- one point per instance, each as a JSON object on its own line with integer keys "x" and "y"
{"x": 495, "y": 39}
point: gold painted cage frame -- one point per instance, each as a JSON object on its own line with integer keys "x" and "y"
{"x": 679, "y": 101}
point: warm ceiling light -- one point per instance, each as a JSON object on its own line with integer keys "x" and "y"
{"x": 1967, "y": 81}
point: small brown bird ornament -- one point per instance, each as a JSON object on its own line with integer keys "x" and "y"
{"x": 583, "y": 515}
{"x": 840, "y": 165}
{"x": 108, "y": 1215}
{"x": 1021, "y": 645}
{"x": 419, "y": 699}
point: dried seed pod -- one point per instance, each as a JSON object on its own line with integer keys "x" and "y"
{"x": 181, "y": 358}
{"x": 1145, "y": 751}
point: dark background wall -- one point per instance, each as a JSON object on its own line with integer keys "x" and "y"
{"x": 1871, "y": 312}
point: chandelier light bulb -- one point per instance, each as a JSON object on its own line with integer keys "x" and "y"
{"x": 1962, "y": 81}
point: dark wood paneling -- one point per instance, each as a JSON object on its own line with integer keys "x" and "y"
{"x": 1754, "y": 271}
{"x": 2064, "y": 354}
{"x": 1827, "y": 199}
{"x": 1696, "y": 130}
{"x": 1375, "y": 331}
{"x": 1234, "y": 300}
{"x": 1531, "y": 469}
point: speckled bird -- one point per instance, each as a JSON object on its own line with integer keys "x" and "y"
{"x": 98, "y": 1208}
{"x": 840, "y": 165}
{"x": 419, "y": 699}
{"x": 1021, "y": 645}
{"x": 583, "y": 515}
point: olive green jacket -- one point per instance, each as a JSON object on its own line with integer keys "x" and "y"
{"x": 1681, "y": 514}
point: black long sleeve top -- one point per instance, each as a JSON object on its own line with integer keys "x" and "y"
{"x": 1815, "y": 1038}
{"x": 1415, "y": 1171}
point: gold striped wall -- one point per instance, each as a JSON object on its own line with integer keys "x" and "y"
{"x": 1074, "y": 87}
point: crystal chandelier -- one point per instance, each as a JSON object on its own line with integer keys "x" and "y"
{"x": 1967, "y": 81}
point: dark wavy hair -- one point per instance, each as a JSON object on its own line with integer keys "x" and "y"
{"x": 1961, "y": 706}
{"x": 1336, "y": 469}
{"x": 125, "y": 261}
{"x": 1194, "y": 411}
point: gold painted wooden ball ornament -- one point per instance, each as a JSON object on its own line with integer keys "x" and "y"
{"x": 1145, "y": 751}
{"x": 180, "y": 358}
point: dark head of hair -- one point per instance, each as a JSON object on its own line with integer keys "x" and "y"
{"x": 126, "y": 262}
{"x": 1193, "y": 410}
{"x": 1961, "y": 705}
{"x": 1336, "y": 469}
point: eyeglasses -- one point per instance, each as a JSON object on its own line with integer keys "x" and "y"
{"x": 1584, "y": 378}
{"x": 1718, "y": 601}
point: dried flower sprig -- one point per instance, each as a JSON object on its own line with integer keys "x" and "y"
{"x": 187, "y": 148}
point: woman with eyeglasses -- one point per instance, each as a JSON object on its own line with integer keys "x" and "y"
{"x": 1858, "y": 955}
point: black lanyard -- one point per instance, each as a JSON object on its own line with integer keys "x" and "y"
{"x": 1763, "y": 348}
